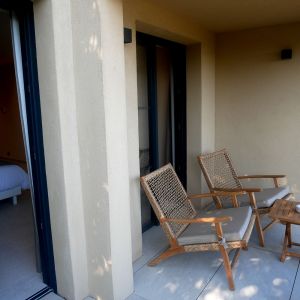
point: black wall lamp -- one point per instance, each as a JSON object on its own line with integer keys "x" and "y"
{"x": 286, "y": 54}
{"x": 127, "y": 35}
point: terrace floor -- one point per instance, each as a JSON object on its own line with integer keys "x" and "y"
{"x": 258, "y": 273}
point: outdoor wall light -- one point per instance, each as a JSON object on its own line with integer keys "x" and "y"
{"x": 286, "y": 54}
{"x": 127, "y": 35}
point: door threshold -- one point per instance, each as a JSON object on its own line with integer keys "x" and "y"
{"x": 40, "y": 294}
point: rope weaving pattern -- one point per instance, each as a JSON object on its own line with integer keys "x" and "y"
{"x": 219, "y": 171}
{"x": 169, "y": 195}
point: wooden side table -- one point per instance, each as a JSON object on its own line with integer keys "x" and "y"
{"x": 285, "y": 212}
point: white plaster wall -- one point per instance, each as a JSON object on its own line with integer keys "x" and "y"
{"x": 257, "y": 100}
{"x": 80, "y": 64}
{"x": 146, "y": 17}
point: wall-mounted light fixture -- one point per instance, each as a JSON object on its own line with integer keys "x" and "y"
{"x": 286, "y": 54}
{"x": 127, "y": 36}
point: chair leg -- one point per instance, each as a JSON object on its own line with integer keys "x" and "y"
{"x": 259, "y": 229}
{"x": 227, "y": 267}
{"x": 235, "y": 258}
{"x": 168, "y": 253}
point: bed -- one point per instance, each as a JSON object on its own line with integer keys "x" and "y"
{"x": 13, "y": 179}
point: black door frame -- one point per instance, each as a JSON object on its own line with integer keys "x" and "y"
{"x": 24, "y": 12}
{"x": 178, "y": 61}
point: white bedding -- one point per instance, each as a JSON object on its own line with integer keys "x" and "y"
{"x": 12, "y": 176}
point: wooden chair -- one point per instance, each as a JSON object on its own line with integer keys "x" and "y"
{"x": 220, "y": 175}
{"x": 188, "y": 230}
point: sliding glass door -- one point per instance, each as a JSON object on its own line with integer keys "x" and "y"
{"x": 161, "y": 78}
{"x": 20, "y": 40}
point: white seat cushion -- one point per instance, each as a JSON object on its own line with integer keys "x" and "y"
{"x": 200, "y": 233}
{"x": 266, "y": 198}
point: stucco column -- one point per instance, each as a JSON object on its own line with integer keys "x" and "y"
{"x": 102, "y": 117}
{"x": 133, "y": 142}
{"x": 58, "y": 104}
{"x": 82, "y": 84}
{"x": 194, "y": 118}
{"x": 200, "y": 110}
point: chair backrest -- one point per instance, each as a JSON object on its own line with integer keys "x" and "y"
{"x": 218, "y": 170}
{"x": 168, "y": 199}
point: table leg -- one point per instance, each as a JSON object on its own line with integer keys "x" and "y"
{"x": 289, "y": 228}
{"x": 285, "y": 243}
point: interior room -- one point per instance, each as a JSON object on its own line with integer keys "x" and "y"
{"x": 20, "y": 275}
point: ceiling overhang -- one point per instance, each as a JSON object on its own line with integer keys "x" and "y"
{"x": 233, "y": 15}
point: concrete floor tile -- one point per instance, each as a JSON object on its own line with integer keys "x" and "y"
{"x": 52, "y": 296}
{"x": 22, "y": 289}
{"x": 154, "y": 242}
{"x": 258, "y": 275}
{"x": 19, "y": 278}
{"x": 180, "y": 277}
{"x": 296, "y": 290}
{"x": 135, "y": 297}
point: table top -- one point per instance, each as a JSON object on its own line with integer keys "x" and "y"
{"x": 284, "y": 211}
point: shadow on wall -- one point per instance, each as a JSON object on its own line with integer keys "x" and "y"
{"x": 93, "y": 142}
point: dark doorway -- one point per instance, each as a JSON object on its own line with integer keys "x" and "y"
{"x": 161, "y": 69}
{"x": 22, "y": 37}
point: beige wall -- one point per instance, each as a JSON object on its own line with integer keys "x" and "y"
{"x": 149, "y": 18}
{"x": 80, "y": 62}
{"x": 257, "y": 100}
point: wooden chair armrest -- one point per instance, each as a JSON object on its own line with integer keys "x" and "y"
{"x": 247, "y": 190}
{"x": 198, "y": 220}
{"x": 251, "y": 192}
{"x": 274, "y": 177}
{"x": 261, "y": 176}
{"x": 216, "y": 194}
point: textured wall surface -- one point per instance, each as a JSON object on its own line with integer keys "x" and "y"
{"x": 257, "y": 100}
